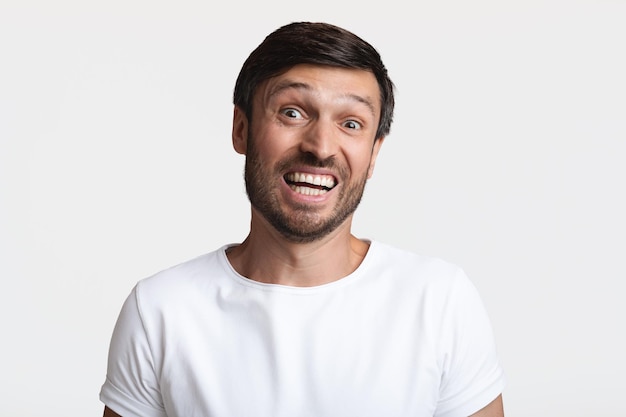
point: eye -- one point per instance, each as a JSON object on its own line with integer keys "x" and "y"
{"x": 292, "y": 113}
{"x": 352, "y": 124}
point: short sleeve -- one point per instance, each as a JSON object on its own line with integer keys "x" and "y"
{"x": 473, "y": 376}
{"x": 131, "y": 388}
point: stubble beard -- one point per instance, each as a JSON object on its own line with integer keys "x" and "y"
{"x": 301, "y": 223}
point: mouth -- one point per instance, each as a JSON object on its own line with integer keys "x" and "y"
{"x": 310, "y": 184}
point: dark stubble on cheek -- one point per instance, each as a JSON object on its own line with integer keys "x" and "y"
{"x": 298, "y": 224}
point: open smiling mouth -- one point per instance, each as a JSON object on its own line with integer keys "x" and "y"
{"x": 309, "y": 184}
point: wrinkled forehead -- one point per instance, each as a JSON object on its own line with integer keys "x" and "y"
{"x": 324, "y": 82}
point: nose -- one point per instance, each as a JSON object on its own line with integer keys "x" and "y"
{"x": 320, "y": 139}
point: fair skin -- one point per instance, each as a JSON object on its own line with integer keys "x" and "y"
{"x": 330, "y": 113}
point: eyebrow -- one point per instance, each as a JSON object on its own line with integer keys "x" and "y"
{"x": 296, "y": 85}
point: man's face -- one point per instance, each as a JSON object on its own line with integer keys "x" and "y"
{"x": 310, "y": 148}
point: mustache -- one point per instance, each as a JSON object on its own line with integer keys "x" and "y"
{"x": 308, "y": 159}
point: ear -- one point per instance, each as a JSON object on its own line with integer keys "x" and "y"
{"x": 240, "y": 130}
{"x": 377, "y": 144}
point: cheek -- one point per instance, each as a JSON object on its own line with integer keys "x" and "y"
{"x": 274, "y": 142}
{"x": 360, "y": 159}
{"x": 270, "y": 147}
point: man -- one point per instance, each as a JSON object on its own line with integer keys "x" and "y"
{"x": 302, "y": 318}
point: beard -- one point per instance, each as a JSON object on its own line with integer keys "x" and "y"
{"x": 301, "y": 223}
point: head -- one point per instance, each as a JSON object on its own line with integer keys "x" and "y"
{"x": 316, "y": 44}
{"x": 313, "y": 103}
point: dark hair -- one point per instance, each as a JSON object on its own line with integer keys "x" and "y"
{"x": 316, "y": 44}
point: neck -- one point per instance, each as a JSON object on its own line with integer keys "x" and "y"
{"x": 266, "y": 256}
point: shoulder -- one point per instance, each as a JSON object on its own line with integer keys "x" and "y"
{"x": 183, "y": 279}
{"x": 439, "y": 284}
{"x": 388, "y": 259}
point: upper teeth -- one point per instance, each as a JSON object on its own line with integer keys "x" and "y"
{"x": 321, "y": 180}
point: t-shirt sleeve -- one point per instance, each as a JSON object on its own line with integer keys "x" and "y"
{"x": 472, "y": 374}
{"x": 131, "y": 388}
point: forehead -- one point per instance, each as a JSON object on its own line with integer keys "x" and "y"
{"x": 324, "y": 82}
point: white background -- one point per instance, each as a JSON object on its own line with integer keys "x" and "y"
{"x": 507, "y": 157}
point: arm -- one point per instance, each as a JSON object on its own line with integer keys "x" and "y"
{"x": 110, "y": 413}
{"x": 473, "y": 370}
{"x": 130, "y": 383}
{"x": 493, "y": 409}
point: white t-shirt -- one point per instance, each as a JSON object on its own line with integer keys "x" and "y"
{"x": 403, "y": 335}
